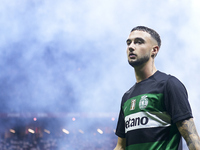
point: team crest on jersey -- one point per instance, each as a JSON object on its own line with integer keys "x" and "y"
{"x": 133, "y": 104}
{"x": 143, "y": 102}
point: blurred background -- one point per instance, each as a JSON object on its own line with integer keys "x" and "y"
{"x": 63, "y": 67}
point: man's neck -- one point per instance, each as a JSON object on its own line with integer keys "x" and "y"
{"x": 144, "y": 72}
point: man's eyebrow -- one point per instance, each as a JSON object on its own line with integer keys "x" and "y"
{"x": 136, "y": 39}
{"x": 140, "y": 39}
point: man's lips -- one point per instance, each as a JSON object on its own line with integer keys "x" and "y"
{"x": 131, "y": 55}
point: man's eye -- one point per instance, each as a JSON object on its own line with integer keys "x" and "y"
{"x": 128, "y": 42}
{"x": 138, "y": 42}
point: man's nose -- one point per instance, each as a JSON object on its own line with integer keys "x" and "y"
{"x": 131, "y": 47}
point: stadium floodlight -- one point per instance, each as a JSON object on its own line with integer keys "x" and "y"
{"x": 12, "y": 131}
{"x": 31, "y": 131}
{"x": 100, "y": 131}
{"x": 81, "y": 131}
{"x": 65, "y": 131}
{"x": 47, "y": 131}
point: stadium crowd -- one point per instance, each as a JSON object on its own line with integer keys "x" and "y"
{"x": 74, "y": 142}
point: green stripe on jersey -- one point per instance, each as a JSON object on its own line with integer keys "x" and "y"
{"x": 160, "y": 145}
{"x": 144, "y": 102}
{"x": 171, "y": 143}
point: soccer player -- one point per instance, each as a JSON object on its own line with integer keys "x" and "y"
{"x": 155, "y": 112}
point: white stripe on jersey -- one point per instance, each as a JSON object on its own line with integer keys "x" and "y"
{"x": 146, "y": 120}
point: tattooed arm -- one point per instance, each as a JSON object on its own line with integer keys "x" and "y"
{"x": 188, "y": 131}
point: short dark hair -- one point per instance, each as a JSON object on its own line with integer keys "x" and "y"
{"x": 152, "y": 32}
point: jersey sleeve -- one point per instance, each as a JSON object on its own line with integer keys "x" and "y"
{"x": 176, "y": 100}
{"x": 120, "y": 131}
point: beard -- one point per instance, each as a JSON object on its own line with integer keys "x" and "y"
{"x": 139, "y": 61}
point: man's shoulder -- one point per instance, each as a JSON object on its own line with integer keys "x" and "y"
{"x": 156, "y": 83}
{"x": 158, "y": 77}
{"x": 130, "y": 89}
{"x": 161, "y": 76}
{"x": 167, "y": 77}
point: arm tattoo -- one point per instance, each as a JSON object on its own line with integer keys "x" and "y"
{"x": 188, "y": 131}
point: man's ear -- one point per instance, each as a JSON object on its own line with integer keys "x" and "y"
{"x": 155, "y": 50}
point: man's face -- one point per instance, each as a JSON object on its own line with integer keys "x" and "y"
{"x": 139, "y": 47}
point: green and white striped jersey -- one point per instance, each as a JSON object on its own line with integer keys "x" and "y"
{"x": 149, "y": 111}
